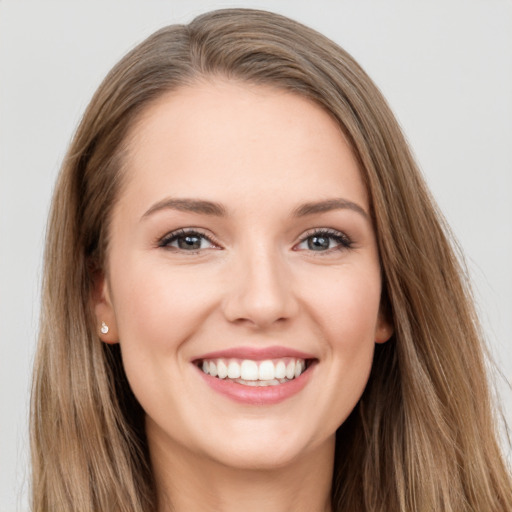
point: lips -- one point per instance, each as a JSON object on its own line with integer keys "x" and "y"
{"x": 256, "y": 353}
{"x": 256, "y": 375}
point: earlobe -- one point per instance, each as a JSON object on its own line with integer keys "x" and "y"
{"x": 384, "y": 329}
{"x": 106, "y": 325}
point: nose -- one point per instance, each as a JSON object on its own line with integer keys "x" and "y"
{"x": 260, "y": 291}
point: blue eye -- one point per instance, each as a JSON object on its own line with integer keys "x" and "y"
{"x": 325, "y": 240}
{"x": 186, "y": 240}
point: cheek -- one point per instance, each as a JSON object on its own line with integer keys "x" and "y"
{"x": 346, "y": 312}
{"x": 346, "y": 306}
{"x": 157, "y": 306}
{"x": 158, "y": 309}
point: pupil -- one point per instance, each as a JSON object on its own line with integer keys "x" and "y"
{"x": 189, "y": 242}
{"x": 318, "y": 243}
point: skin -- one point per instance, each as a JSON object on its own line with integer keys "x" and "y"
{"x": 260, "y": 153}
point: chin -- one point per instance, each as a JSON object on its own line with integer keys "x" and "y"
{"x": 264, "y": 452}
{"x": 255, "y": 457}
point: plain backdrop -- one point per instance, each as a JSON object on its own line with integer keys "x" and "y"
{"x": 445, "y": 67}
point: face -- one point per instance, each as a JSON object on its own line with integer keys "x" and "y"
{"x": 243, "y": 279}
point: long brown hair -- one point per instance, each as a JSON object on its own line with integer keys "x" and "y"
{"x": 421, "y": 438}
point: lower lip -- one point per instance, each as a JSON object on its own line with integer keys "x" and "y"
{"x": 257, "y": 395}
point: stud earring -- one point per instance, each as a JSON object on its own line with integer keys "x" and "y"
{"x": 104, "y": 328}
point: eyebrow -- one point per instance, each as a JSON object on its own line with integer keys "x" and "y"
{"x": 188, "y": 205}
{"x": 201, "y": 206}
{"x": 327, "y": 206}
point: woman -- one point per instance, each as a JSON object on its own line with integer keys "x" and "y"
{"x": 249, "y": 298}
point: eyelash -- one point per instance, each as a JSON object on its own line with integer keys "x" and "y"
{"x": 167, "y": 239}
{"x": 343, "y": 241}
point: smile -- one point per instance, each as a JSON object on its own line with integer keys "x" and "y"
{"x": 248, "y": 372}
{"x": 256, "y": 376}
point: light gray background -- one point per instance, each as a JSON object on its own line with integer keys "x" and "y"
{"x": 445, "y": 67}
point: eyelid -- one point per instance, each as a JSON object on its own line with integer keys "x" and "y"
{"x": 164, "y": 240}
{"x": 344, "y": 240}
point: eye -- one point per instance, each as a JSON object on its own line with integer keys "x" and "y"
{"x": 324, "y": 240}
{"x": 186, "y": 240}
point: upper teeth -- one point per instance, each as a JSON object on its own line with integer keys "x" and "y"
{"x": 247, "y": 369}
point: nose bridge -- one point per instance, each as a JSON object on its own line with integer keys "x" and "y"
{"x": 260, "y": 289}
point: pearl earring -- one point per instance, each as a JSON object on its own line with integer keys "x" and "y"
{"x": 104, "y": 328}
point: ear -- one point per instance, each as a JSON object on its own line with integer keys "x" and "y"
{"x": 106, "y": 324}
{"x": 384, "y": 328}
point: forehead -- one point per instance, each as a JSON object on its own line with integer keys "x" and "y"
{"x": 231, "y": 140}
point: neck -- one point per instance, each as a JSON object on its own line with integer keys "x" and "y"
{"x": 188, "y": 481}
